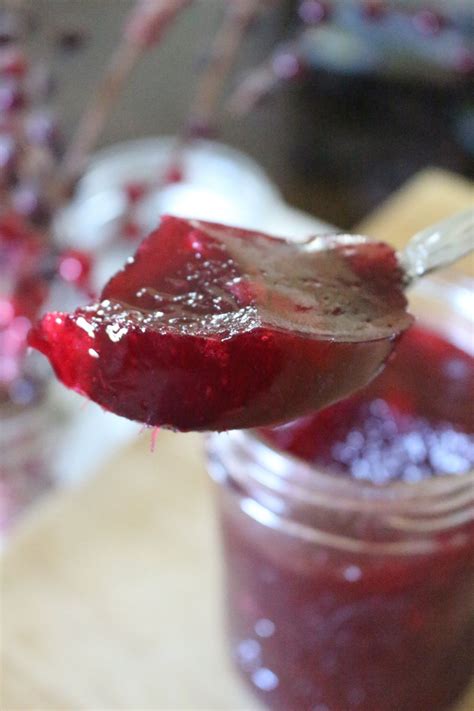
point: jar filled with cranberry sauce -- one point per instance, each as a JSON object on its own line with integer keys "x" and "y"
{"x": 348, "y": 535}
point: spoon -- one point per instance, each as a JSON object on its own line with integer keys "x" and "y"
{"x": 430, "y": 249}
{"x": 438, "y": 246}
{"x": 211, "y": 327}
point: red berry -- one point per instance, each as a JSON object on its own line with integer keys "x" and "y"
{"x": 287, "y": 65}
{"x": 42, "y": 129}
{"x": 71, "y": 40}
{"x": 11, "y": 96}
{"x": 313, "y": 12}
{"x": 200, "y": 128}
{"x": 30, "y": 293}
{"x": 174, "y": 174}
{"x": 75, "y": 267}
{"x": 13, "y": 62}
{"x": 464, "y": 61}
{"x": 24, "y": 290}
{"x": 135, "y": 191}
{"x": 132, "y": 231}
{"x": 28, "y": 202}
{"x": 429, "y": 23}
{"x": 14, "y": 230}
{"x": 373, "y": 9}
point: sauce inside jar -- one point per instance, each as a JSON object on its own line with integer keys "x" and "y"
{"x": 415, "y": 420}
{"x": 326, "y": 613}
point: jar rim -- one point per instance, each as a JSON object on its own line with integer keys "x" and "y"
{"x": 411, "y": 520}
{"x": 310, "y": 484}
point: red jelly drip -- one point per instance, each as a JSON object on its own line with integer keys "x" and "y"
{"x": 319, "y": 626}
{"x": 211, "y": 327}
{"x": 399, "y": 427}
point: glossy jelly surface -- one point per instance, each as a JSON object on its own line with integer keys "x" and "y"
{"x": 210, "y": 327}
{"x": 323, "y": 614}
{"x": 397, "y": 428}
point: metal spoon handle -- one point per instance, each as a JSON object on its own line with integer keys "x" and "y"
{"x": 438, "y": 246}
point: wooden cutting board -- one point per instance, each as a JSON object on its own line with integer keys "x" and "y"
{"x": 110, "y": 592}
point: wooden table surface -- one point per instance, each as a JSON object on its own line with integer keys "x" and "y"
{"x": 110, "y": 592}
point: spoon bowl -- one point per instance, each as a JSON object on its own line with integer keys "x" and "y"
{"x": 211, "y": 327}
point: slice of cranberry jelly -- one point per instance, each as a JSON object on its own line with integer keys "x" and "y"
{"x": 210, "y": 328}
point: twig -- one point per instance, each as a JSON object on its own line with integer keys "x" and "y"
{"x": 223, "y": 52}
{"x": 145, "y": 27}
{"x": 284, "y": 64}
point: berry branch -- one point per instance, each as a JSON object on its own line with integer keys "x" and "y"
{"x": 239, "y": 16}
{"x": 145, "y": 27}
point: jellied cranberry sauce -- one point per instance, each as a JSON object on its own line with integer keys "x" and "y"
{"x": 316, "y": 625}
{"x": 211, "y": 327}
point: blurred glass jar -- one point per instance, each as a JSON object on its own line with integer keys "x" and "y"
{"x": 218, "y": 183}
{"x": 27, "y": 438}
{"x": 323, "y": 616}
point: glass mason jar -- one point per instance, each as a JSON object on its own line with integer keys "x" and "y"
{"x": 27, "y": 439}
{"x": 340, "y": 594}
